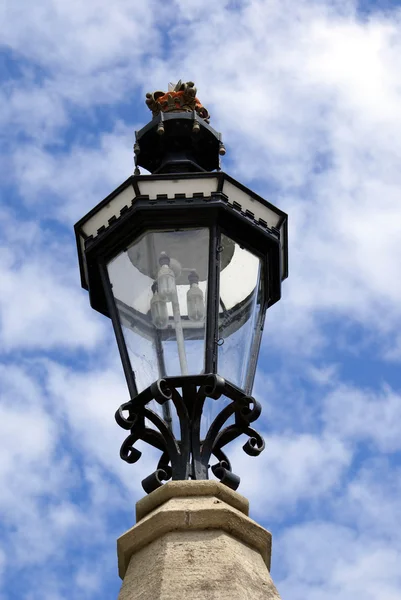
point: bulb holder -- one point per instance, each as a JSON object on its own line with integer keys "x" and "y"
{"x": 193, "y": 277}
{"x": 164, "y": 259}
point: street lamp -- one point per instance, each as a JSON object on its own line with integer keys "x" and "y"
{"x": 185, "y": 261}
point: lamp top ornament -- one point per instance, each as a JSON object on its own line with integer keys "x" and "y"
{"x": 181, "y": 97}
{"x": 179, "y": 138}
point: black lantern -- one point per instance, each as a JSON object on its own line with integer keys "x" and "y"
{"x": 185, "y": 261}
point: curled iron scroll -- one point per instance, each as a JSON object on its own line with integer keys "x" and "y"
{"x": 189, "y": 456}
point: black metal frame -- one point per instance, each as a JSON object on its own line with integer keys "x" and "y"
{"x": 166, "y": 144}
{"x": 189, "y": 456}
{"x": 186, "y": 456}
{"x": 213, "y": 297}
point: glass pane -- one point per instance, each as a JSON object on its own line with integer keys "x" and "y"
{"x": 159, "y": 284}
{"x": 241, "y": 295}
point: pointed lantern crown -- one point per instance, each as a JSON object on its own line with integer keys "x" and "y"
{"x": 179, "y": 138}
{"x": 181, "y": 97}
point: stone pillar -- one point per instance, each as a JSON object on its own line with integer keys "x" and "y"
{"x": 194, "y": 541}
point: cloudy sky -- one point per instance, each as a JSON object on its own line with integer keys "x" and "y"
{"x": 307, "y": 94}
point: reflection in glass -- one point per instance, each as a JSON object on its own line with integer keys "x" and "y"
{"x": 165, "y": 278}
{"x": 241, "y": 295}
{"x": 195, "y": 300}
{"x": 158, "y": 309}
{"x": 159, "y": 285}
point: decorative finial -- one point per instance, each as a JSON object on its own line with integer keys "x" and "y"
{"x": 181, "y": 97}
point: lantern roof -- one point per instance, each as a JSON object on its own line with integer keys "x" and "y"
{"x": 182, "y": 200}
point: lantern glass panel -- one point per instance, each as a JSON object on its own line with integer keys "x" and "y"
{"x": 241, "y": 302}
{"x": 159, "y": 286}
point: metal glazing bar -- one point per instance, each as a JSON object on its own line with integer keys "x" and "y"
{"x": 213, "y": 301}
{"x": 166, "y": 409}
{"x": 115, "y": 319}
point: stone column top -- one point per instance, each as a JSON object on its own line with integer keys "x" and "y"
{"x": 188, "y": 489}
{"x": 192, "y": 506}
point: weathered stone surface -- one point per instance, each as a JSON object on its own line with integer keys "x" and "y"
{"x": 185, "y": 489}
{"x": 195, "y": 547}
{"x": 196, "y": 514}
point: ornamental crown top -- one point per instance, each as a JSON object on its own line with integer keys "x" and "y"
{"x": 181, "y": 97}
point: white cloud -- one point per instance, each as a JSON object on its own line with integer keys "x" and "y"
{"x": 93, "y": 37}
{"x": 293, "y": 468}
{"x": 68, "y": 184}
{"x": 88, "y": 400}
{"x": 29, "y": 109}
{"x": 370, "y": 505}
{"x": 365, "y": 415}
{"x": 41, "y": 306}
{"x": 29, "y": 469}
{"x": 325, "y": 561}
{"x": 55, "y": 504}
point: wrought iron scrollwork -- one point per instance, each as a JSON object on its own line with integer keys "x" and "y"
{"x": 188, "y": 456}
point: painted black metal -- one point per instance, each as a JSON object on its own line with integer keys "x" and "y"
{"x": 213, "y": 296}
{"x": 189, "y": 456}
{"x": 168, "y": 144}
{"x": 162, "y": 370}
{"x": 136, "y": 186}
{"x": 122, "y": 347}
{"x": 160, "y": 354}
{"x": 183, "y": 144}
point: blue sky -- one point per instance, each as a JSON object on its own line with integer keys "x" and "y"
{"x": 307, "y": 95}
